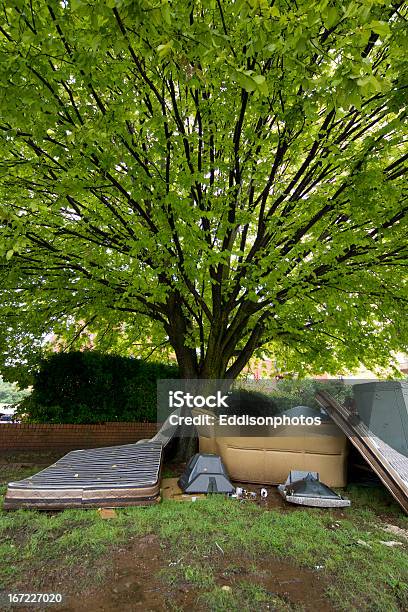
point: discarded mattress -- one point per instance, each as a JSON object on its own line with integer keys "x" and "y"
{"x": 389, "y": 465}
{"x": 205, "y": 474}
{"x": 166, "y": 433}
{"x": 305, "y": 489}
{"x": 115, "y": 476}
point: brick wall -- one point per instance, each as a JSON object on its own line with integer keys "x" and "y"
{"x": 63, "y": 438}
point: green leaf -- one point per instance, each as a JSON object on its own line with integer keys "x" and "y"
{"x": 332, "y": 17}
{"x": 245, "y": 80}
{"x": 262, "y": 85}
{"x": 370, "y": 83}
{"x": 166, "y": 49}
{"x": 381, "y": 28}
{"x": 165, "y": 9}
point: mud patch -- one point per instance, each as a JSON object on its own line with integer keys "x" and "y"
{"x": 136, "y": 580}
{"x": 131, "y": 582}
{"x": 299, "y": 586}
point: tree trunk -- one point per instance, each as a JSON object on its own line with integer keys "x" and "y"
{"x": 216, "y": 365}
{"x": 213, "y": 369}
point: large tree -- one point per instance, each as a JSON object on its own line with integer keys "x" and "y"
{"x": 10, "y": 393}
{"x": 225, "y": 177}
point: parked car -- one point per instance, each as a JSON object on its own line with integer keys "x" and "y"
{"x": 7, "y": 418}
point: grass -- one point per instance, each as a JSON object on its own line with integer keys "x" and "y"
{"x": 374, "y": 500}
{"x": 245, "y": 597}
{"x": 201, "y": 538}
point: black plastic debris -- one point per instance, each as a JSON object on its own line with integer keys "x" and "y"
{"x": 205, "y": 473}
{"x": 305, "y": 489}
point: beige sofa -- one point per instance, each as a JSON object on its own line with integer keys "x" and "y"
{"x": 268, "y": 458}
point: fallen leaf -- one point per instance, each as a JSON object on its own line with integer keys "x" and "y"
{"x": 107, "y": 513}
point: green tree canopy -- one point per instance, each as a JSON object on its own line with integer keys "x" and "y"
{"x": 10, "y": 392}
{"x": 224, "y": 177}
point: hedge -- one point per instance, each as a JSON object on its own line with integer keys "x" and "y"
{"x": 91, "y": 387}
{"x": 301, "y": 392}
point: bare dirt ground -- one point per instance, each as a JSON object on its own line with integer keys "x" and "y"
{"x": 135, "y": 584}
